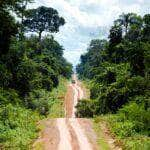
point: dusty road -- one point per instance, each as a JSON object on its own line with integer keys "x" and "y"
{"x": 72, "y": 135}
{"x": 67, "y": 133}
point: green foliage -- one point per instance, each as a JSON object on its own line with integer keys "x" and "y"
{"x": 38, "y": 100}
{"x": 131, "y": 125}
{"x": 120, "y": 80}
{"x": 121, "y": 72}
{"x": 43, "y": 19}
{"x": 138, "y": 116}
{"x": 85, "y": 108}
{"x": 124, "y": 130}
{"x": 5, "y": 75}
{"x": 17, "y": 127}
{"x": 29, "y": 70}
{"x": 9, "y": 96}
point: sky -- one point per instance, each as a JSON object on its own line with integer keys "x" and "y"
{"x": 87, "y": 20}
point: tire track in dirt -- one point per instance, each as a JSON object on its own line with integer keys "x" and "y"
{"x": 82, "y": 139}
{"x": 65, "y": 138}
{"x": 65, "y": 133}
{"x": 74, "y": 133}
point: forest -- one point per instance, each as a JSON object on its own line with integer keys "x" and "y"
{"x": 118, "y": 71}
{"x": 31, "y": 65}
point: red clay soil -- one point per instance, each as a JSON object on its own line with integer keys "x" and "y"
{"x": 69, "y": 102}
{"x": 49, "y": 136}
{"x": 74, "y": 139}
{"x": 86, "y": 125}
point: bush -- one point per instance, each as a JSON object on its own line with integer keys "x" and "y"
{"x": 9, "y": 96}
{"x": 131, "y": 119}
{"x": 138, "y": 116}
{"x": 124, "y": 129}
{"x": 17, "y": 127}
{"x": 85, "y": 108}
{"x": 38, "y": 100}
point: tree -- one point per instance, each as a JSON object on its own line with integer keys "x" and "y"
{"x": 8, "y": 28}
{"x": 146, "y": 30}
{"x": 115, "y": 35}
{"x": 126, "y": 20}
{"x": 43, "y": 19}
{"x": 21, "y": 12}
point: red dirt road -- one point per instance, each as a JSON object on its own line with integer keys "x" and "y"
{"x": 67, "y": 133}
{"x": 70, "y": 127}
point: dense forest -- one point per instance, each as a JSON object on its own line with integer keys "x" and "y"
{"x": 118, "y": 69}
{"x": 30, "y": 67}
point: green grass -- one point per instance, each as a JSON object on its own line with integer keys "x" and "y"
{"x": 58, "y": 96}
{"x": 132, "y": 142}
{"x": 19, "y": 128}
{"x": 124, "y": 131}
{"x": 101, "y": 141}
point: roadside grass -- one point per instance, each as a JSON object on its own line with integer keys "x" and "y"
{"x": 125, "y": 132}
{"x": 101, "y": 141}
{"x": 39, "y": 146}
{"x": 120, "y": 129}
{"x": 56, "y": 103}
{"x": 57, "y": 100}
{"x": 19, "y": 129}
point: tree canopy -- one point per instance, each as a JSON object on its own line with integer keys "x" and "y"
{"x": 43, "y": 19}
{"x": 118, "y": 68}
{"x": 29, "y": 70}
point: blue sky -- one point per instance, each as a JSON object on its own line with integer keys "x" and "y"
{"x": 87, "y": 20}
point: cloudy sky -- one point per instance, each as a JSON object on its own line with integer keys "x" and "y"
{"x": 88, "y": 19}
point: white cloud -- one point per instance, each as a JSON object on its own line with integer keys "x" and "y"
{"x": 74, "y": 56}
{"x": 85, "y": 19}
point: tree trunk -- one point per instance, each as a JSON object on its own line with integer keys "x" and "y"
{"x": 40, "y": 35}
{"x": 126, "y": 28}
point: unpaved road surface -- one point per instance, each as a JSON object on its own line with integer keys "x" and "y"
{"x": 72, "y": 135}
{"x": 67, "y": 133}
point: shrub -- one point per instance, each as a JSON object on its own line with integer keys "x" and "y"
{"x": 17, "y": 127}
{"x": 138, "y": 116}
{"x": 9, "y": 96}
{"x": 85, "y": 108}
{"x": 38, "y": 100}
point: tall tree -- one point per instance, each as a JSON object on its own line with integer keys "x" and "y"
{"x": 21, "y": 12}
{"x": 115, "y": 35}
{"x": 9, "y": 27}
{"x": 43, "y": 19}
{"x": 146, "y": 29}
{"x": 128, "y": 19}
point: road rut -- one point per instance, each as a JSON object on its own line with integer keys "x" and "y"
{"x": 66, "y": 142}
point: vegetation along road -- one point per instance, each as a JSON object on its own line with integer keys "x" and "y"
{"x": 105, "y": 106}
{"x": 71, "y": 133}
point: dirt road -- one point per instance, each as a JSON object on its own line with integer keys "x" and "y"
{"x": 71, "y": 133}
{"x": 67, "y": 133}
{"x": 70, "y": 125}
